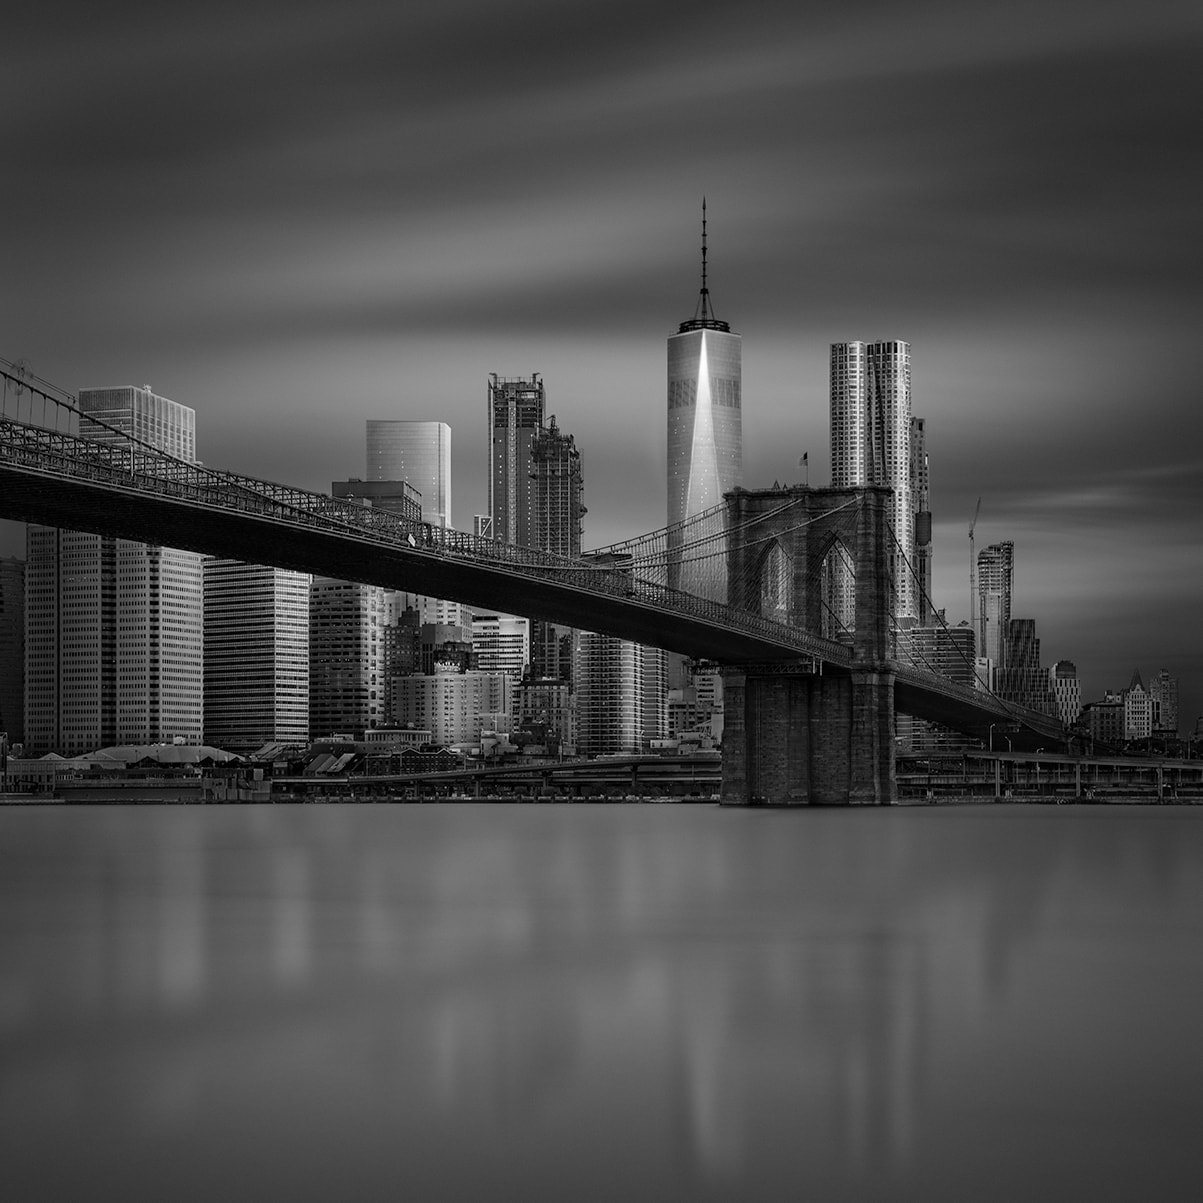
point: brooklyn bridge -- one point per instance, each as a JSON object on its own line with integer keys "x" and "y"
{"x": 815, "y": 664}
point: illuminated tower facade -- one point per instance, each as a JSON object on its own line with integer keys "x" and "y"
{"x": 705, "y": 428}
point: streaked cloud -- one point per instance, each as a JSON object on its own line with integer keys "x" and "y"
{"x": 268, "y": 208}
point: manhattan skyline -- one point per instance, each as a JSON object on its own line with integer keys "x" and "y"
{"x": 294, "y": 226}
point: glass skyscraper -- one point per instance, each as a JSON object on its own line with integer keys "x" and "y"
{"x": 705, "y": 427}
{"x": 256, "y": 655}
{"x": 418, "y": 453}
{"x": 114, "y": 628}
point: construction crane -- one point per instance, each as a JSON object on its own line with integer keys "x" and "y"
{"x": 973, "y": 573}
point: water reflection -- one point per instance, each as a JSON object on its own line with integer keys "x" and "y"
{"x": 642, "y": 1001}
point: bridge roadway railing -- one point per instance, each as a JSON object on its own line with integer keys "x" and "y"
{"x": 983, "y": 701}
{"x": 131, "y": 467}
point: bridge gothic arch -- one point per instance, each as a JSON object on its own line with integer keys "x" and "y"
{"x": 802, "y": 734}
{"x": 776, "y": 575}
{"x": 837, "y": 589}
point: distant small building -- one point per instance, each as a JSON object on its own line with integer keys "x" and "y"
{"x": 1067, "y": 690}
{"x": 1163, "y": 689}
{"x": 1138, "y": 710}
{"x": 1104, "y": 720}
{"x": 451, "y": 704}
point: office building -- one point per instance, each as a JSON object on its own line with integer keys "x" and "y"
{"x": 1104, "y": 719}
{"x": 705, "y": 430}
{"x": 408, "y": 466}
{"x": 516, "y": 407}
{"x": 871, "y": 431}
{"x": 920, "y": 496}
{"x": 1163, "y": 689}
{"x": 949, "y": 652}
{"x": 1138, "y": 709}
{"x": 256, "y": 655}
{"x": 1021, "y": 679}
{"x": 1067, "y": 690}
{"x": 417, "y": 452}
{"x": 557, "y": 522}
{"x": 548, "y": 709}
{"x": 995, "y": 581}
{"x": 453, "y": 706}
{"x": 501, "y": 644}
{"x": 12, "y": 649}
{"x": 346, "y": 658}
{"x": 114, "y": 628}
{"x": 621, "y": 692}
{"x": 394, "y": 496}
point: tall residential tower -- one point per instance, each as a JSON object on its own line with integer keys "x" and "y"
{"x": 871, "y": 442}
{"x": 995, "y": 582}
{"x": 515, "y": 419}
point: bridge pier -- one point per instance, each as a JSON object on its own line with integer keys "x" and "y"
{"x": 794, "y": 735}
{"x": 795, "y": 739}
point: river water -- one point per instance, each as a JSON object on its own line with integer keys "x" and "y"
{"x": 631, "y": 1002}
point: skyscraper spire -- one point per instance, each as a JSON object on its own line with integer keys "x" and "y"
{"x": 703, "y": 314}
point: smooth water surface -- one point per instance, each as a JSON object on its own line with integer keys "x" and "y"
{"x": 594, "y": 1002}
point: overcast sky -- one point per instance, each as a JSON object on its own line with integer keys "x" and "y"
{"x": 295, "y": 216}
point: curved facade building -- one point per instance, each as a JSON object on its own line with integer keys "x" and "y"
{"x": 705, "y": 426}
{"x": 418, "y": 453}
{"x": 871, "y": 443}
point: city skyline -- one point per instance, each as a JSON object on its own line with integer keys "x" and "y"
{"x": 1008, "y": 192}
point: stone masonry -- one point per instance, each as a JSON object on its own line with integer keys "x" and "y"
{"x": 794, "y": 735}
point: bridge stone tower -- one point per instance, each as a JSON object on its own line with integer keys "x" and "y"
{"x": 810, "y": 733}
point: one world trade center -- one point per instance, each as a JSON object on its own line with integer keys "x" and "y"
{"x": 705, "y": 442}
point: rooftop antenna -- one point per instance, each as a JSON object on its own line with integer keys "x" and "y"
{"x": 703, "y": 314}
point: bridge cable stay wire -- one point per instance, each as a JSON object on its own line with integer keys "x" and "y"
{"x": 19, "y": 380}
{"x": 1005, "y": 703}
{"x": 701, "y": 518}
{"x": 912, "y": 651}
{"x": 678, "y": 555}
